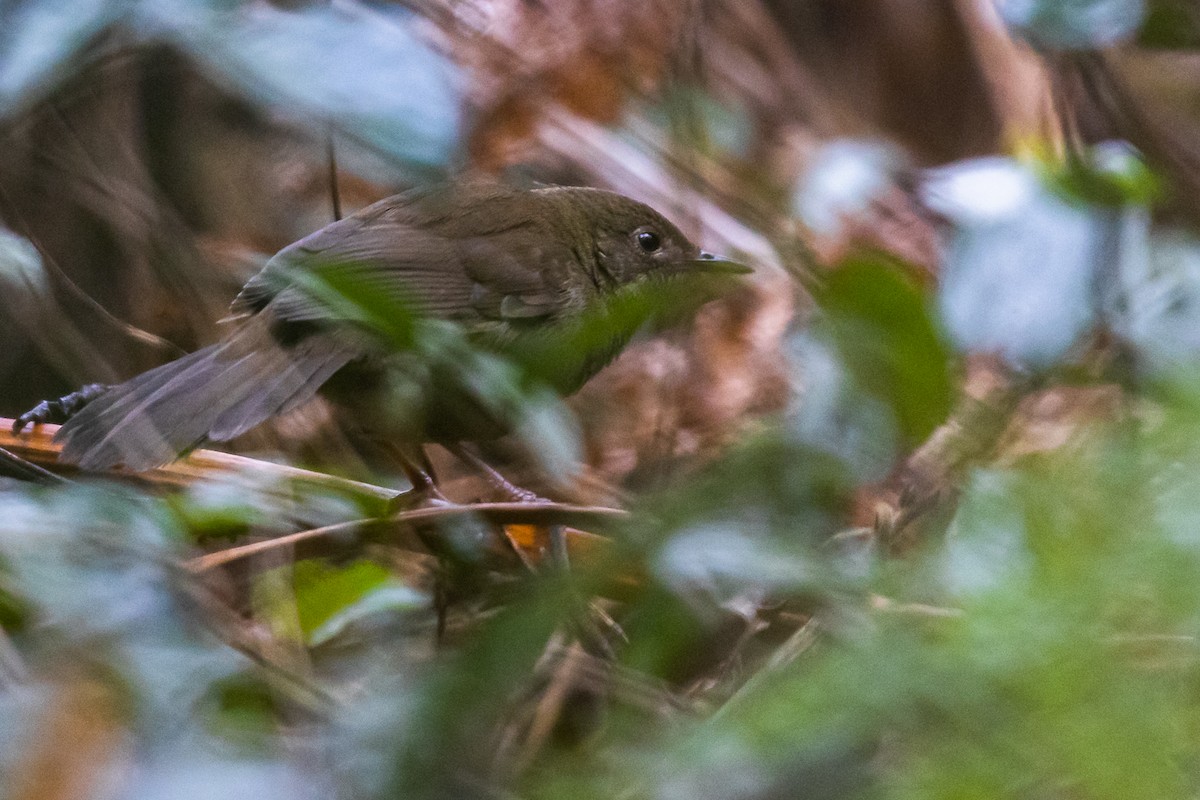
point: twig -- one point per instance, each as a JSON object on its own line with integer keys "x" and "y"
{"x": 630, "y": 686}
{"x": 497, "y": 513}
{"x": 13, "y": 670}
{"x": 929, "y": 478}
{"x": 888, "y": 605}
{"x": 548, "y": 710}
{"x": 36, "y": 444}
{"x": 796, "y": 645}
{"x": 335, "y": 196}
{"x": 14, "y": 466}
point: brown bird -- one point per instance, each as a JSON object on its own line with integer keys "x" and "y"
{"x": 508, "y": 267}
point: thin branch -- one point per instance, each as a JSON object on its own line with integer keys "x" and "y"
{"x": 335, "y": 196}
{"x": 36, "y": 444}
{"x": 496, "y": 513}
{"x": 14, "y": 466}
{"x": 926, "y": 482}
{"x": 549, "y": 708}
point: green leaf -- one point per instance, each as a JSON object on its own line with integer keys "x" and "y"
{"x": 40, "y": 43}
{"x": 559, "y": 353}
{"x": 330, "y": 598}
{"x": 1109, "y": 174}
{"x": 1029, "y": 267}
{"x": 883, "y": 329}
{"x": 1170, "y": 24}
{"x": 365, "y": 70}
{"x": 1073, "y": 24}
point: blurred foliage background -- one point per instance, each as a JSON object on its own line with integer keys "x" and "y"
{"x": 914, "y": 513}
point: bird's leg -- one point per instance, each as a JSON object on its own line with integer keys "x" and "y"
{"x": 426, "y": 464}
{"x": 591, "y": 631}
{"x": 556, "y": 534}
{"x": 594, "y": 629}
{"x": 62, "y": 409}
{"x": 497, "y": 481}
{"x": 415, "y": 464}
{"x": 419, "y": 471}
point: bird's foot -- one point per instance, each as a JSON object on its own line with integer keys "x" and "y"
{"x": 424, "y": 496}
{"x": 501, "y": 484}
{"x": 517, "y": 494}
{"x": 60, "y": 410}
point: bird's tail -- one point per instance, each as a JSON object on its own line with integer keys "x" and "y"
{"x": 216, "y": 394}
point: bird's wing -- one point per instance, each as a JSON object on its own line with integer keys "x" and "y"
{"x": 519, "y": 275}
{"x": 483, "y": 260}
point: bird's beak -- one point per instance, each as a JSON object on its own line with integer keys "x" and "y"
{"x": 707, "y": 262}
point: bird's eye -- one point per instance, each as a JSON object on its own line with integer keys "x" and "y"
{"x": 649, "y": 241}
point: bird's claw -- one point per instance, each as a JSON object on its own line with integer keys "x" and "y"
{"x": 44, "y": 411}
{"x": 519, "y": 495}
{"x": 427, "y": 496}
{"x": 60, "y": 410}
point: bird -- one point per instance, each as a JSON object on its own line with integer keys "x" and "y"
{"x": 505, "y": 266}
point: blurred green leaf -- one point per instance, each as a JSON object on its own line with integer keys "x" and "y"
{"x": 1159, "y": 305}
{"x": 707, "y": 561}
{"x": 95, "y": 571}
{"x": 881, "y": 324}
{"x": 563, "y": 353}
{"x": 331, "y": 598}
{"x": 217, "y": 511}
{"x": 842, "y": 180}
{"x": 836, "y": 416}
{"x": 1109, "y": 174}
{"x": 324, "y": 590}
{"x": 1027, "y": 270}
{"x": 360, "y": 68}
{"x": 503, "y": 372}
{"x": 41, "y": 41}
{"x": 21, "y": 267}
{"x": 242, "y": 709}
{"x": 1058, "y": 651}
{"x": 88, "y": 561}
{"x": 1073, "y": 24}
{"x": 194, "y": 766}
{"x": 464, "y": 699}
{"x": 1170, "y": 24}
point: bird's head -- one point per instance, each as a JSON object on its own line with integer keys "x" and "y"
{"x": 631, "y": 242}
